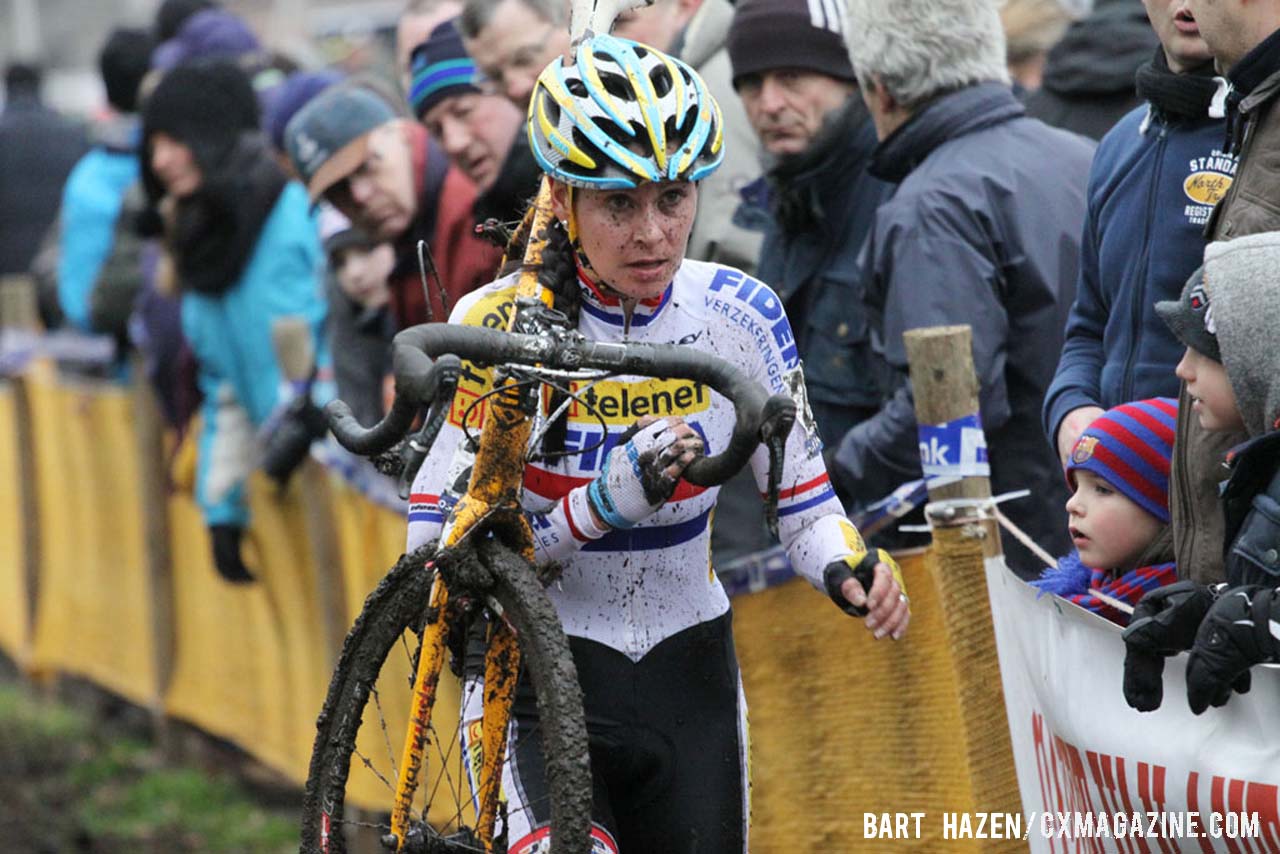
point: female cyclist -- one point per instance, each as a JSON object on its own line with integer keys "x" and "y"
{"x": 625, "y": 133}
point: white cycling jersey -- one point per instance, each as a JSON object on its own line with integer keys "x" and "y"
{"x": 630, "y": 589}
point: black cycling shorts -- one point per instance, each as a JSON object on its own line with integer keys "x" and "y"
{"x": 668, "y": 746}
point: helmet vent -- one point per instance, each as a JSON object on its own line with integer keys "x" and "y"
{"x": 616, "y": 85}
{"x": 661, "y": 79}
{"x": 576, "y": 87}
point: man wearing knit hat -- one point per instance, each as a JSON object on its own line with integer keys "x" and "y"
{"x": 816, "y": 202}
{"x": 381, "y": 170}
{"x": 480, "y": 131}
{"x": 983, "y": 229}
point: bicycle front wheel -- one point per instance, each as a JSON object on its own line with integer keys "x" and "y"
{"x": 352, "y": 778}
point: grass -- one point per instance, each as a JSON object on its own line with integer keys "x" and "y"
{"x": 68, "y": 784}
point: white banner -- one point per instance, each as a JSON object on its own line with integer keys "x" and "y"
{"x": 1087, "y": 763}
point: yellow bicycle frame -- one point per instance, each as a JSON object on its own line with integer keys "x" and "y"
{"x": 492, "y": 498}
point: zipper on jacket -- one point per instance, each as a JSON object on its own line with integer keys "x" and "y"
{"x": 1138, "y": 299}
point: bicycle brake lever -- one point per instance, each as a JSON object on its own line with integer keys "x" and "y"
{"x": 776, "y": 443}
{"x": 419, "y": 444}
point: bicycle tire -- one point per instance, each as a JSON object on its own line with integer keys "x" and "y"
{"x": 399, "y": 604}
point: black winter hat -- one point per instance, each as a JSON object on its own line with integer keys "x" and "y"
{"x": 124, "y": 61}
{"x": 205, "y": 105}
{"x": 174, "y": 13}
{"x": 767, "y": 35}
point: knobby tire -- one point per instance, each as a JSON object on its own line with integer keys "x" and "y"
{"x": 399, "y": 604}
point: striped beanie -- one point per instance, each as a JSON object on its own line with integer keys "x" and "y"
{"x": 1129, "y": 447}
{"x": 440, "y": 68}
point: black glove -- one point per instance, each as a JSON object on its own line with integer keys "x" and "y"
{"x": 287, "y": 447}
{"x": 226, "y": 553}
{"x": 837, "y": 572}
{"x": 1164, "y": 623}
{"x": 1235, "y": 635}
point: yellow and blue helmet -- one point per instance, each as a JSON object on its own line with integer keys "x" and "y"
{"x": 621, "y": 115}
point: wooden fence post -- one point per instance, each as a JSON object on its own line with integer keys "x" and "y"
{"x": 20, "y": 314}
{"x": 965, "y": 534}
{"x": 294, "y": 349}
{"x": 149, "y": 437}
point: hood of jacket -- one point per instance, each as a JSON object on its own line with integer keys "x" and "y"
{"x": 706, "y": 33}
{"x": 1099, "y": 54}
{"x": 943, "y": 119}
{"x": 1244, "y": 299}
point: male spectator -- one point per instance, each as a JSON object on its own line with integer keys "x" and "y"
{"x": 483, "y": 133}
{"x": 95, "y": 192}
{"x": 984, "y": 230}
{"x": 1088, "y": 76}
{"x": 696, "y": 31}
{"x": 1031, "y": 29}
{"x": 383, "y": 173}
{"x": 800, "y": 94}
{"x": 1244, "y": 38}
{"x": 513, "y": 40}
{"x": 38, "y": 147}
{"x": 416, "y": 23}
{"x": 1155, "y": 178}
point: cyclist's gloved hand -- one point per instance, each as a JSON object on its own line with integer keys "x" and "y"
{"x": 1164, "y": 623}
{"x": 881, "y": 597}
{"x": 642, "y": 470}
{"x": 226, "y": 553}
{"x": 1235, "y": 635}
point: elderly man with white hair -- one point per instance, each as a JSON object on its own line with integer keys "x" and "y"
{"x": 984, "y": 230}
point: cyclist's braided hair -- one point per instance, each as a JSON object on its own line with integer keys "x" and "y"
{"x": 558, "y": 273}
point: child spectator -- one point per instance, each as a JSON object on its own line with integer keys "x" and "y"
{"x": 1119, "y": 512}
{"x": 1227, "y": 317}
{"x": 360, "y": 321}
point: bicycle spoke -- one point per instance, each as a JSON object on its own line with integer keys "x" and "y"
{"x": 368, "y": 764}
{"x": 386, "y": 736}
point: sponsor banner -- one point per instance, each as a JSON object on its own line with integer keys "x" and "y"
{"x": 955, "y": 449}
{"x": 1211, "y": 783}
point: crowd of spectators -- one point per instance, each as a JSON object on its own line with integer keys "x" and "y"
{"x": 1043, "y": 171}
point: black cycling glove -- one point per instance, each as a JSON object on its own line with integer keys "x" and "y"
{"x": 1235, "y": 635}
{"x": 1164, "y": 623}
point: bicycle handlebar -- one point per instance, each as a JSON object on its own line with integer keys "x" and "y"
{"x": 758, "y": 416}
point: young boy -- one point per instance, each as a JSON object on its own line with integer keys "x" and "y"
{"x": 1229, "y": 319}
{"x": 1118, "y": 515}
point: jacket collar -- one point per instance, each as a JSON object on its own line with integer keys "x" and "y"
{"x": 1259, "y": 64}
{"x": 941, "y": 120}
{"x": 607, "y": 308}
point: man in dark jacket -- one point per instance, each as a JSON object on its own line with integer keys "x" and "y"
{"x": 38, "y": 147}
{"x": 816, "y": 203}
{"x": 983, "y": 230}
{"x": 1155, "y": 179}
{"x": 1244, "y": 38}
{"x": 1088, "y": 75}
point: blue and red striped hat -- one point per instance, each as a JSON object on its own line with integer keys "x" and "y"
{"x": 1129, "y": 447}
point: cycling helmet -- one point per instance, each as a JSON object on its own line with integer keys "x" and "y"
{"x": 621, "y": 115}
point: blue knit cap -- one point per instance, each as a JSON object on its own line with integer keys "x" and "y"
{"x": 441, "y": 69}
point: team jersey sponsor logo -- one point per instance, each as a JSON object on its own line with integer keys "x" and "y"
{"x": 1208, "y": 179}
{"x": 752, "y": 305}
{"x": 621, "y": 403}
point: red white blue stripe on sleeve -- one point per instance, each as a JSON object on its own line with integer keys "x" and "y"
{"x": 801, "y": 497}
{"x": 425, "y": 508}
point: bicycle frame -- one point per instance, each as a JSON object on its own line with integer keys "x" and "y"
{"x": 492, "y": 499}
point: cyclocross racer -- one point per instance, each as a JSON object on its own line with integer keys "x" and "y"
{"x": 625, "y": 133}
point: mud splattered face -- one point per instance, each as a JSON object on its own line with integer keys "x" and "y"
{"x": 634, "y": 239}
